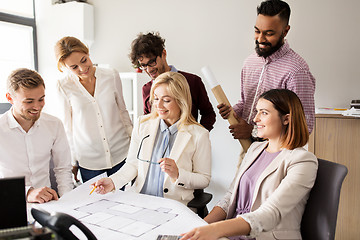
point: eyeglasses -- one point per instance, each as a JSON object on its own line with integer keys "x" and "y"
{"x": 148, "y": 161}
{"x": 151, "y": 63}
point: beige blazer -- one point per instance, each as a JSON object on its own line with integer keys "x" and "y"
{"x": 191, "y": 152}
{"x": 280, "y": 193}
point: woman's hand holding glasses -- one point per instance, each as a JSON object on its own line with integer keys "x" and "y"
{"x": 169, "y": 166}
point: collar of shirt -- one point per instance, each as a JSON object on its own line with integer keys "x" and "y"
{"x": 14, "y": 124}
{"x": 172, "y": 129}
{"x": 172, "y": 68}
{"x": 279, "y": 53}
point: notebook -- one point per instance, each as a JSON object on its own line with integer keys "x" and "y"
{"x": 13, "y": 215}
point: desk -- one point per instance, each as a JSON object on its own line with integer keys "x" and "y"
{"x": 337, "y": 138}
{"x": 125, "y": 215}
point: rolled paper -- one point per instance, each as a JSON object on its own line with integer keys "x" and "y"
{"x": 222, "y": 99}
{"x": 209, "y": 77}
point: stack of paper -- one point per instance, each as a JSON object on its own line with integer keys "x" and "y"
{"x": 353, "y": 112}
{"x": 327, "y": 110}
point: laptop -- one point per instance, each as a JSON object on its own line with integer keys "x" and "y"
{"x": 13, "y": 220}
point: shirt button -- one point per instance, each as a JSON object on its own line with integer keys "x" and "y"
{"x": 166, "y": 190}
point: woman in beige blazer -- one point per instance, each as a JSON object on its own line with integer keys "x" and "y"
{"x": 187, "y": 164}
{"x": 267, "y": 197}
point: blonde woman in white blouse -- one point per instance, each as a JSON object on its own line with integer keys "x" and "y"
{"x": 97, "y": 123}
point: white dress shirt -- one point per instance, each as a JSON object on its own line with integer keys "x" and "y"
{"x": 29, "y": 153}
{"x": 98, "y": 127}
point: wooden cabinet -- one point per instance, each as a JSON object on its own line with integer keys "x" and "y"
{"x": 337, "y": 138}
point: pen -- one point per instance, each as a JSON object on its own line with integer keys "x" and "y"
{"x": 93, "y": 190}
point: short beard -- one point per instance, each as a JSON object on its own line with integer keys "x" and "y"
{"x": 33, "y": 119}
{"x": 266, "y": 53}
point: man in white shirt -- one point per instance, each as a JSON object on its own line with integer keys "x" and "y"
{"x": 28, "y": 140}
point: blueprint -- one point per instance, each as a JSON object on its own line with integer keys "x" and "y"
{"x": 124, "y": 214}
{"x": 118, "y": 216}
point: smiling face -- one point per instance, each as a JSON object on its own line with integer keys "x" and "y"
{"x": 268, "y": 120}
{"x": 80, "y": 64}
{"x": 270, "y": 32}
{"x": 27, "y": 104}
{"x": 165, "y": 105}
{"x": 154, "y": 65}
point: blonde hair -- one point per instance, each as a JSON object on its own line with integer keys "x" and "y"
{"x": 178, "y": 88}
{"x": 66, "y": 46}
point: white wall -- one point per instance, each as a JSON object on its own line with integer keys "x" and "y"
{"x": 219, "y": 34}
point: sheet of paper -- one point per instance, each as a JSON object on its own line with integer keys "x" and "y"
{"x": 353, "y": 112}
{"x": 124, "y": 215}
{"x": 328, "y": 110}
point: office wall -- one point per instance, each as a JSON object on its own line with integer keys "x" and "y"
{"x": 219, "y": 34}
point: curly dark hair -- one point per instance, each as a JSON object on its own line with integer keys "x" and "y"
{"x": 273, "y": 8}
{"x": 150, "y": 44}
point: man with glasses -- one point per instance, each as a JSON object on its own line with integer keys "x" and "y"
{"x": 148, "y": 52}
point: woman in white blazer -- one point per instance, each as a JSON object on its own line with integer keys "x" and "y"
{"x": 267, "y": 197}
{"x": 96, "y": 121}
{"x": 170, "y": 168}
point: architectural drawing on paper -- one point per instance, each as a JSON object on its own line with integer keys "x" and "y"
{"x": 122, "y": 217}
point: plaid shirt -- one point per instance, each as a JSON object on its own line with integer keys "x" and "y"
{"x": 283, "y": 69}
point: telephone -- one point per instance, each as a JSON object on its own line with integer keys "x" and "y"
{"x": 60, "y": 223}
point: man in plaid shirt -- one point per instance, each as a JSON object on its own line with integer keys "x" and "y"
{"x": 273, "y": 65}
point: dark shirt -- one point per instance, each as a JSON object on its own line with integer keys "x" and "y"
{"x": 200, "y": 100}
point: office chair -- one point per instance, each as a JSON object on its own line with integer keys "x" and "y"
{"x": 319, "y": 219}
{"x": 4, "y": 107}
{"x": 52, "y": 176}
{"x": 199, "y": 202}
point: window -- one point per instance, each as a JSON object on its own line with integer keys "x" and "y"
{"x": 18, "y": 39}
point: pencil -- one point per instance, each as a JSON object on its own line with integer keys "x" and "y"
{"x": 93, "y": 190}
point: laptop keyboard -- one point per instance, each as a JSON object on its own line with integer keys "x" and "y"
{"x": 16, "y": 231}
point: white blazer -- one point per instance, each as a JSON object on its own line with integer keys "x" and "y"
{"x": 191, "y": 152}
{"x": 280, "y": 193}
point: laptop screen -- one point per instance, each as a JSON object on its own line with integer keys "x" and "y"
{"x": 12, "y": 203}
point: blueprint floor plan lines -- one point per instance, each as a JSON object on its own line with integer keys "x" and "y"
{"x": 123, "y": 214}
{"x": 122, "y": 217}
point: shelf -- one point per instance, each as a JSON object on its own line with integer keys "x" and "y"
{"x": 132, "y": 83}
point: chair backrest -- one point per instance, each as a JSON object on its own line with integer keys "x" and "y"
{"x": 199, "y": 202}
{"x": 319, "y": 219}
{"x": 52, "y": 176}
{"x": 4, "y": 107}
